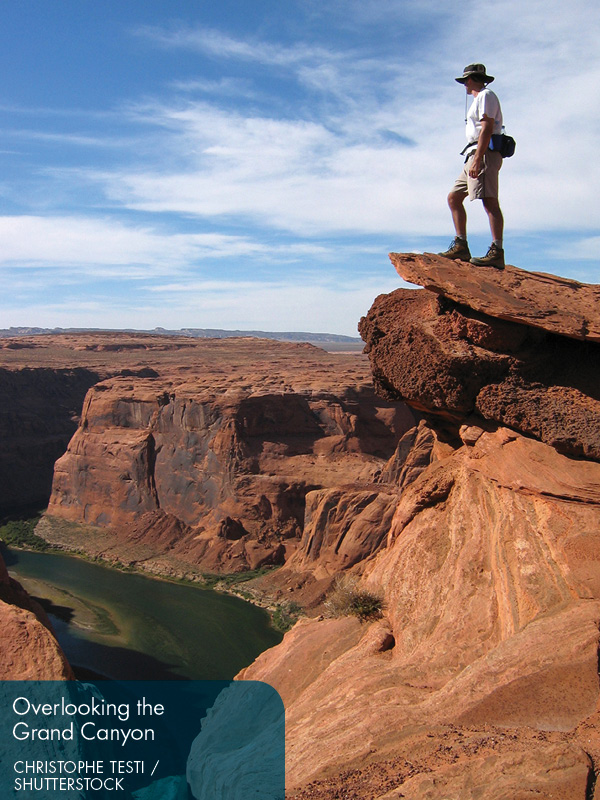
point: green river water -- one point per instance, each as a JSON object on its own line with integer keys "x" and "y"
{"x": 127, "y": 626}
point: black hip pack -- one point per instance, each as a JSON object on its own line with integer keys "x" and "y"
{"x": 503, "y": 143}
{"x": 500, "y": 143}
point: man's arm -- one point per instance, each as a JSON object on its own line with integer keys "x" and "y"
{"x": 487, "y": 128}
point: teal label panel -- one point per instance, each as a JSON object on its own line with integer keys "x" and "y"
{"x": 141, "y": 740}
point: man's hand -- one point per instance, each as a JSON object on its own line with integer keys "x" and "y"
{"x": 476, "y": 166}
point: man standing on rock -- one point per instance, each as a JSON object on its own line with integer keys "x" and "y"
{"x": 479, "y": 178}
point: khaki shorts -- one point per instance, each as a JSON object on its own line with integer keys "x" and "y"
{"x": 486, "y": 185}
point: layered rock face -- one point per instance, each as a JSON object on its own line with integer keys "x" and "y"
{"x": 43, "y": 383}
{"x": 480, "y": 679}
{"x": 206, "y": 455}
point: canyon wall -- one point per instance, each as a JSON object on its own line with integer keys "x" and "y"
{"x": 205, "y": 453}
{"x": 177, "y": 454}
{"x": 43, "y": 383}
{"x": 229, "y": 473}
{"x": 480, "y": 676}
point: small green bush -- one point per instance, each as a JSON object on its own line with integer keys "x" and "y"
{"x": 346, "y": 599}
{"x": 285, "y": 616}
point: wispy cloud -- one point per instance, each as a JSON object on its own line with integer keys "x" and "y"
{"x": 107, "y": 247}
{"x": 220, "y": 45}
{"x": 67, "y": 138}
{"x": 80, "y": 241}
{"x": 293, "y": 175}
{"x": 224, "y": 87}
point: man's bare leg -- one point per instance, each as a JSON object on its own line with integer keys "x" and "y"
{"x": 495, "y": 255}
{"x": 495, "y": 218}
{"x": 459, "y": 249}
{"x": 459, "y": 215}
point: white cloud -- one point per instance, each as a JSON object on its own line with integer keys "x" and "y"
{"x": 78, "y": 241}
{"x": 297, "y": 176}
{"x": 327, "y": 170}
{"x": 224, "y": 87}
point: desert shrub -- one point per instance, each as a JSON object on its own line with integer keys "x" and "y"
{"x": 347, "y": 599}
{"x": 285, "y": 616}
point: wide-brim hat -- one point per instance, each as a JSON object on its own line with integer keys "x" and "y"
{"x": 476, "y": 71}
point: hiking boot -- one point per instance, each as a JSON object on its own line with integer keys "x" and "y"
{"x": 458, "y": 250}
{"x": 493, "y": 258}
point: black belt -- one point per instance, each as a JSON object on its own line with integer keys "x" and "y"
{"x": 466, "y": 147}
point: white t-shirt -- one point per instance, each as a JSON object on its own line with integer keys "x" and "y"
{"x": 486, "y": 103}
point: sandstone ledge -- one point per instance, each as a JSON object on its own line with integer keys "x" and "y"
{"x": 549, "y": 302}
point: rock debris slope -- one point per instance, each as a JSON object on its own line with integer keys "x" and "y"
{"x": 481, "y": 677}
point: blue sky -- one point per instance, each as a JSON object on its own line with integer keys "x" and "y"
{"x": 246, "y": 165}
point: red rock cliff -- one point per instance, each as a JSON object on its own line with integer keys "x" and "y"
{"x": 190, "y": 451}
{"x": 214, "y": 458}
{"x": 481, "y": 677}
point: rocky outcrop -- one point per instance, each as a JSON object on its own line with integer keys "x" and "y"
{"x": 481, "y": 676}
{"x": 204, "y": 451}
{"x": 29, "y": 650}
{"x": 492, "y": 603}
{"x": 547, "y": 302}
{"x": 441, "y": 354}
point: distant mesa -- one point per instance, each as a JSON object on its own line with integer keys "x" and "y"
{"x": 197, "y": 333}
